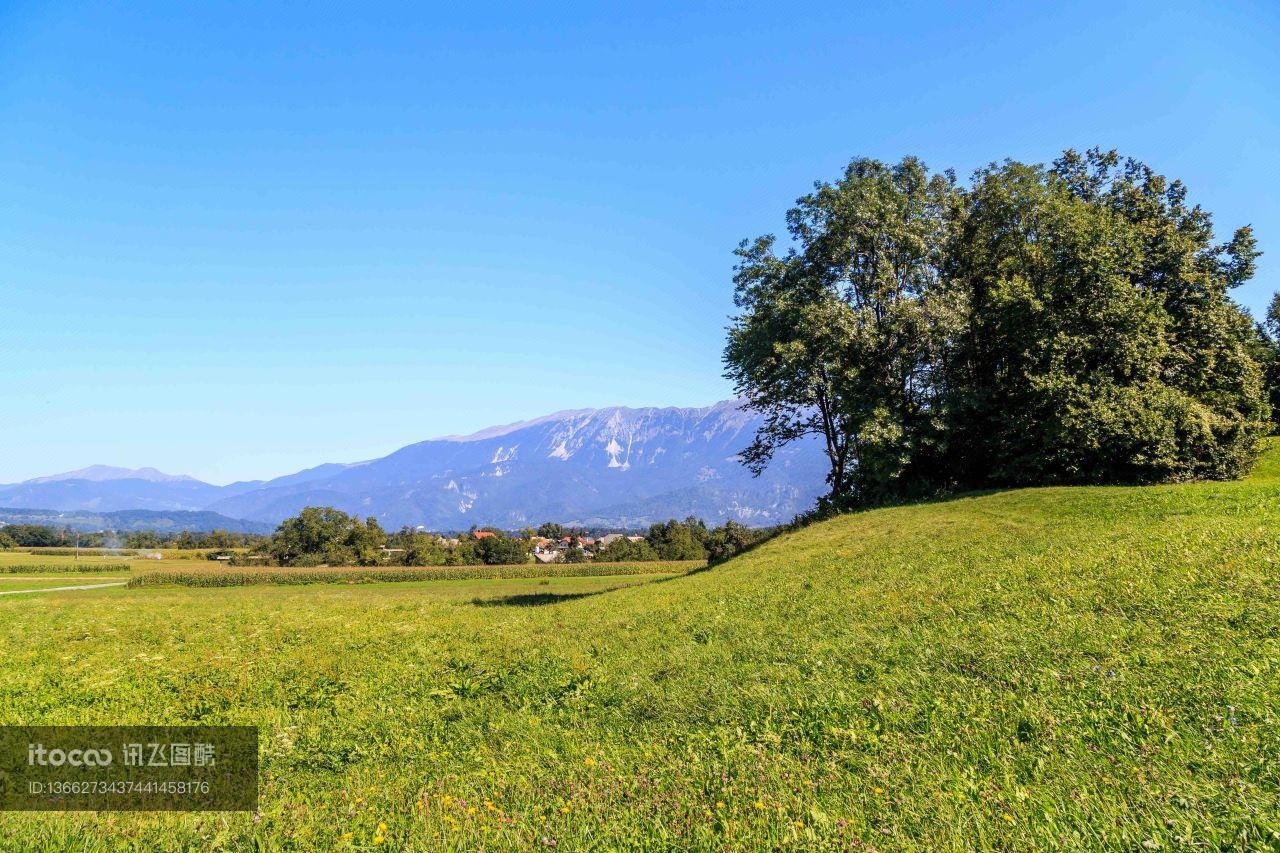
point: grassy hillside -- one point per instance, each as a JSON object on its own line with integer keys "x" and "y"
{"x": 1089, "y": 667}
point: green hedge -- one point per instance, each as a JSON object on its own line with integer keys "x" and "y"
{"x": 61, "y": 568}
{"x": 351, "y": 575}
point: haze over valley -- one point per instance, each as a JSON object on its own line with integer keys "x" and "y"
{"x": 613, "y": 466}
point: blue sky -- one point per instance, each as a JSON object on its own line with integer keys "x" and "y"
{"x": 239, "y": 240}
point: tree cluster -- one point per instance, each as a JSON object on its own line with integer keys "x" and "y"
{"x": 328, "y": 536}
{"x": 690, "y": 539}
{"x": 1062, "y": 324}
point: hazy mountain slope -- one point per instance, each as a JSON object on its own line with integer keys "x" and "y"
{"x": 100, "y": 473}
{"x": 614, "y": 466}
{"x": 108, "y": 495}
{"x": 132, "y": 519}
{"x": 605, "y": 466}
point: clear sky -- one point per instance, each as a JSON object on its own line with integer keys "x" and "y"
{"x": 241, "y": 239}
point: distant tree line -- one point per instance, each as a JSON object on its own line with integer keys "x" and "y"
{"x": 328, "y": 536}
{"x": 1066, "y": 324}
{"x": 189, "y": 540}
{"x": 48, "y": 536}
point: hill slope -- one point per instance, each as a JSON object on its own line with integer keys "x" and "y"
{"x": 1081, "y": 667}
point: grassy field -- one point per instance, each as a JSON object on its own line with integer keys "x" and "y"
{"x": 1083, "y": 668}
{"x": 10, "y": 560}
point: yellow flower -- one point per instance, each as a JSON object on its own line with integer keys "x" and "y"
{"x": 471, "y": 809}
{"x": 382, "y": 827}
{"x": 759, "y": 804}
{"x": 879, "y": 790}
{"x": 377, "y": 839}
{"x": 590, "y": 762}
{"x": 347, "y": 836}
{"x": 564, "y": 810}
{"x": 1008, "y": 818}
{"x": 719, "y": 804}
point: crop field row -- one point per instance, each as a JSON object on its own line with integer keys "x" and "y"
{"x": 217, "y": 576}
{"x": 10, "y": 558}
{"x": 42, "y": 568}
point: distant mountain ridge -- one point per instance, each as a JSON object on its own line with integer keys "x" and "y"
{"x": 613, "y": 466}
{"x": 102, "y": 473}
{"x": 129, "y": 520}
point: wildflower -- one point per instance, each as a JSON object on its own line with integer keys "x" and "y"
{"x": 879, "y": 790}
{"x": 590, "y": 762}
{"x": 347, "y": 836}
{"x": 759, "y": 804}
{"x": 719, "y": 804}
{"x": 382, "y": 827}
{"x": 1008, "y": 818}
{"x": 377, "y": 839}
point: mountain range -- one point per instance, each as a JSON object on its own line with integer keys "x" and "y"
{"x": 615, "y": 466}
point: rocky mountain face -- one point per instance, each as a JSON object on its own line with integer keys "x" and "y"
{"x": 614, "y": 466}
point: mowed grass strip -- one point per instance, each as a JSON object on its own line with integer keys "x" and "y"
{"x": 253, "y": 576}
{"x": 52, "y": 582}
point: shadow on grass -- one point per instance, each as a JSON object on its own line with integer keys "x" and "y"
{"x": 536, "y": 599}
{"x": 540, "y": 599}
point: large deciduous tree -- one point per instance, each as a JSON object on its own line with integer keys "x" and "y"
{"x": 1099, "y": 343}
{"x": 841, "y": 336}
{"x": 1069, "y": 324}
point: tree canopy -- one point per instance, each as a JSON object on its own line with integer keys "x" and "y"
{"x": 1062, "y": 324}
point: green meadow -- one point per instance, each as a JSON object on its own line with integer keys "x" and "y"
{"x": 1074, "y": 668}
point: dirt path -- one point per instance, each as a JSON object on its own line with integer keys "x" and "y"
{"x": 61, "y": 588}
